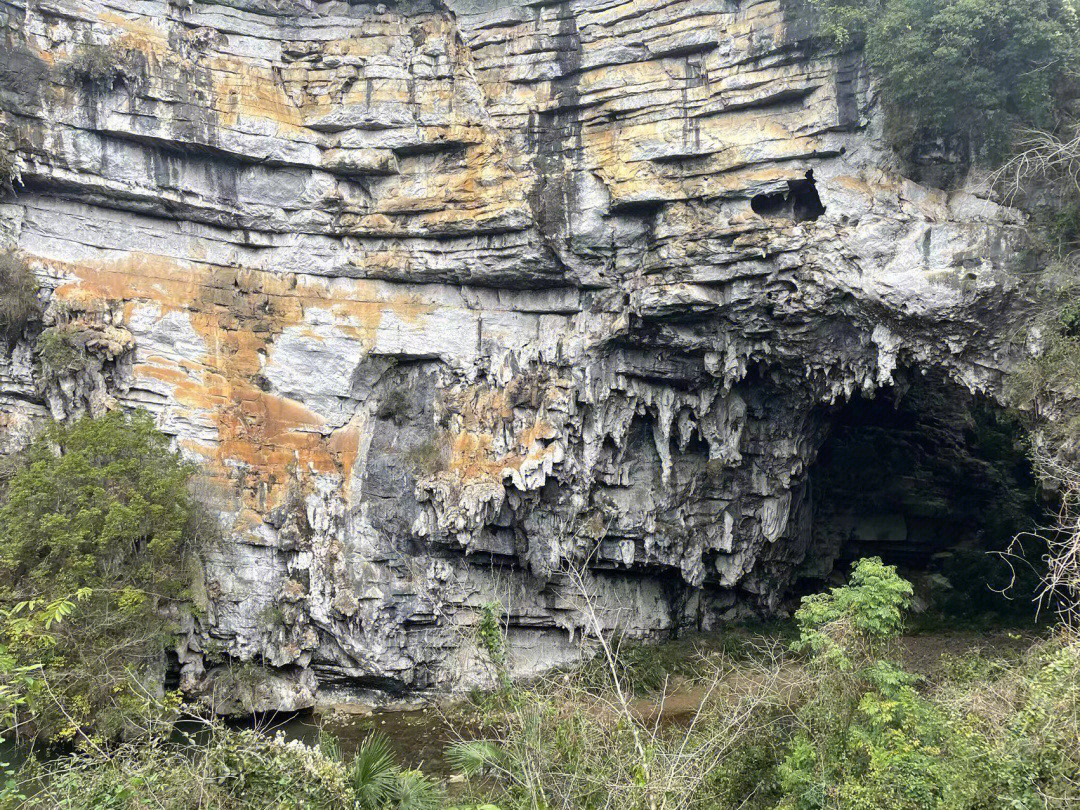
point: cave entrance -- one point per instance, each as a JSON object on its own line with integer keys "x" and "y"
{"x": 932, "y": 480}
{"x": 800, "y": 202}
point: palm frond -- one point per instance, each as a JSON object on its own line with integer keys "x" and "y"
{"x": 414, "y": 791}
{"x": 472, "y": 756}
{"x": 373, "y": 774}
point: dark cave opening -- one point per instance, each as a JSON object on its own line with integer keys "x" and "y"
{"x": 935, "y": 481}
{"x": 769, "y": 204}
{"x": 800, "y": 202}
{"x": 805, "y": 200}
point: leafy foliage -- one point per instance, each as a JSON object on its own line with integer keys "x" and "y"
{"x": 99, "y": 508}
{"x": 872, "y": 735}
{"x": 230, "y": 770}
{"x": 377, "y": 781}
{"x": 845, "y": 728}
{"x": 373, "y": 775}
{"x": 60, "y": 352}
{"x": 962, "y": 68}
{"x": 849, "y": 625}
{"x": 490, "y": 633}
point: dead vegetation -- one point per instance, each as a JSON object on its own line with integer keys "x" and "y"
{"x": 19, "y": 304}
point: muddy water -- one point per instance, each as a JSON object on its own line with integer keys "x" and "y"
{"x": 419, "y": 737}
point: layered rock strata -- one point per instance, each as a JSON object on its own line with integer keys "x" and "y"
{"x": 544, "y": 304}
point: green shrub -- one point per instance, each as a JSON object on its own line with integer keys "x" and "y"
{"x": 851, "y": 626}
{"x": 1040, "y": 754}
{"x": 19, "y": 305}
{"x": 969, "y": 68}
{"x": 60, "y": 352}
{"x": 98, "y": 508}
{"x": 378, "y": 783}
{"x": 489, "y": 633}
{"x": 212, "y": 766}
{"x": 867, "y": 738}
{"x": 221, "y": 768}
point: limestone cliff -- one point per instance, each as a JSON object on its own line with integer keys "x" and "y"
{"x": 451, "y": 295}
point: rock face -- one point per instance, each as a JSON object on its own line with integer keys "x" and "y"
{"x": 550, "y": 304}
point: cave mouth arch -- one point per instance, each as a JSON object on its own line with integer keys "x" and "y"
{"x": 932, "y": 479}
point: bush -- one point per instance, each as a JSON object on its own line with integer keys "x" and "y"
{"x": 868, "y": 738}
{"x": 378, "y": 783}
{"x": 1040, "y": 750}
{"x": 962, "y": 68}
{"x": 489, "y": 634}
{"x": 101, "y": 509}
{"x": 60, "y": 352}
{"x": 19, "y": 305}
{"x": 851, "y": 626}
{"x": 216, "y": 767}
{"x": 220, "y": 768}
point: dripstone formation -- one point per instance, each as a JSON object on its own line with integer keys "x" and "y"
{"x": 463, "y": 302}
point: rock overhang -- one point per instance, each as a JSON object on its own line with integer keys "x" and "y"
{"x": 450, "y": 297}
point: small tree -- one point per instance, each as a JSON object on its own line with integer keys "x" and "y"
{"x": 867, "y": 738}
{"x": 99, "y": 508}
{"x": 850, "y": 627}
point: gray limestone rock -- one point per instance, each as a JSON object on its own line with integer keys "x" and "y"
{"x": 456, "y": 300}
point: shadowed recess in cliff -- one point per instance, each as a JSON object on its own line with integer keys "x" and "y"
{"x": 924, "y": 475}
{"x": 800, "y": 202}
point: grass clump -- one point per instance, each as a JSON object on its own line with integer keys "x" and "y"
{"x": 19, "y": 305}
{"x": 430, "y": 456}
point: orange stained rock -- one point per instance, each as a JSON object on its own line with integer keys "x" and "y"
{"x": 139, "y": 33}
{"x": 243, "y": 90}
{"x": 265, "y": 433}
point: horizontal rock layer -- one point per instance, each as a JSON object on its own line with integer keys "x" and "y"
{"x": 548, "y": 305}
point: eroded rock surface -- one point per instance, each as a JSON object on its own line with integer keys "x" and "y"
{"x": 452, "y": 296}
